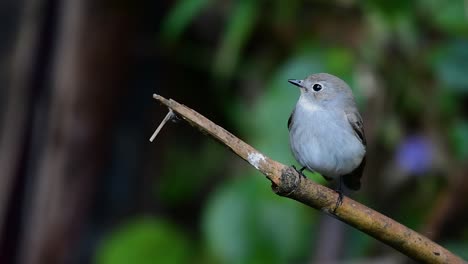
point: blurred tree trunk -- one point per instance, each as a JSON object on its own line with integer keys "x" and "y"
{"x": 28, "y": 73}
{"x": 330, "y": 241}
{"x": 87, "y": 73}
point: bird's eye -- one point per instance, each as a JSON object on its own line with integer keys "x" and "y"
{"x": 317, "y": 87}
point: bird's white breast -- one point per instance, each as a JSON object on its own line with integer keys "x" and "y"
{"x": 324, "y": 141}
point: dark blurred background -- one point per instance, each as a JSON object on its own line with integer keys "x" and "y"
{"x": 80, "y": 183}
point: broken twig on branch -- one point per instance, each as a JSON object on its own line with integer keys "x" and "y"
{"x": 287, "y": 182}
{"x": 168, "y": 117}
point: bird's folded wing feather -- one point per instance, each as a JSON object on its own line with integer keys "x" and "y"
{"x": 355, "y": 121}
{"x": 353, "y": 180}
{"x": 290, "y": 120}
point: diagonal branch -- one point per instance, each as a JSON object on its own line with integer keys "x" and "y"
{"x": 287, "y": 182}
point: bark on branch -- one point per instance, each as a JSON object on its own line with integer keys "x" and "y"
{"x": 288, "y": 183}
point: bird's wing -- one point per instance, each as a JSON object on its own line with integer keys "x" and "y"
{"x": 355, "y": 121}
{"x": 353, "y": 180}
{"x": 290, "y": 120}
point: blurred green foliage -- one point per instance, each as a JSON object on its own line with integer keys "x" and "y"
{"x": 179, "y": 181}
{"x": 447, "y": 16}
{"x": 244, "y": 223}
{"x": 452, "y": 65}
{"x": 240, "y": 24}
{"x": 460, "y": 139}
{"x": 145, "y": 240}
{"x": 179, "y": 18}
{"x": 458, "y": 248}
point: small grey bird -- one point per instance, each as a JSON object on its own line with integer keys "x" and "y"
{"x": 326, "y": 133}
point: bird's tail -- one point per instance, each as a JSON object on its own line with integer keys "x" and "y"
{"x": 353, "y": 180}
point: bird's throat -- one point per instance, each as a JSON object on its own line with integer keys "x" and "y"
{"x": 309, "y": 106}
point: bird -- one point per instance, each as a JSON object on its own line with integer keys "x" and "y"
{"x": 326, "y": 133}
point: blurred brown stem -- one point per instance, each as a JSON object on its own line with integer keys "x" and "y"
{"x": 287, "y": 182}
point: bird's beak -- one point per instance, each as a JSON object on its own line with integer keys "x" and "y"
{"x": 298, "y": 83}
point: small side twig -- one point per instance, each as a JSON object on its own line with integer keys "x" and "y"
{"x": 285, "y": 182}
{"x": 168, "y": 117}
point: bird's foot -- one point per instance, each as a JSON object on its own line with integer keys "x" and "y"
{"x": 339, "y": 201}
{"x": 300, "y": 171}
{"x": 176, "y": 118}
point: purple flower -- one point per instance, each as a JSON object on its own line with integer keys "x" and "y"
{"x": 415, "y": 154}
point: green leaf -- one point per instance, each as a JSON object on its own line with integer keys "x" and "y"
{"x": 180, "y": 17}
{"x": 144, "y": 241}
{"x": 451, "y": 65}
{"x": 447, "y": 15}
{"x": 339, "y": 61}
{"x": 460, "y": 140}
{"x": 391, "y": 9}
{"x": 239, "y": 27}
{"x": 245, "y": 223}
{"x": 448, "y": 103}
